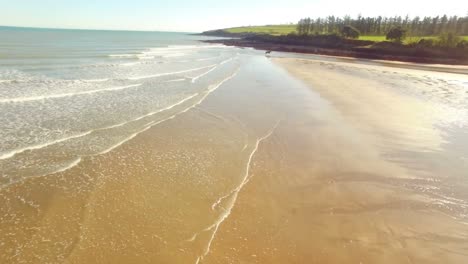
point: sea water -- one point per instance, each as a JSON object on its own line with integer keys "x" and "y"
{"x": 65, "y": 94}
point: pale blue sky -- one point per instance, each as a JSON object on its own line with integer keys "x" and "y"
{"x": 193, "y": 16}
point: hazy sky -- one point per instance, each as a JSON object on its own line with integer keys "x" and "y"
{"x": 186, "y": 15}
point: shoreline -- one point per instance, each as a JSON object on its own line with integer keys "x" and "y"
{"x": 358, "y": 53}
{"x": 297, "y": 161}
{"x": 345, "y": 192}
{"x": 442, "y": 68}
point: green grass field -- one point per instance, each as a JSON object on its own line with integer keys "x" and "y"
{"x": 286, "y": 29}
{"x": 407, "y": 40}
{"x": 270, "y": 29}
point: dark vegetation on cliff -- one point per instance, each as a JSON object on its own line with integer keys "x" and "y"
{"x": 430, "y": 39}
{"x": 336, "y": 45}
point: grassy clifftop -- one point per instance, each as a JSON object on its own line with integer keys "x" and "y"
{"x": 278, "y": 30}
{"x": 335, "y": 45}
{"x": 269, "y": 29}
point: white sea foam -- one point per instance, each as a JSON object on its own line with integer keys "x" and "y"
{"x": 172, "y": 48}
{"x": 53, "y": 96}
{"x": 168, "y": 52}
{"x": 245, "y": 147}
{"x": 121, "y": 142}
{"x": 176, "y": 80}
{"x": 166, "y": 108}
{"x": 140, "y": 56}
{"x": 226, "y": 61}
{"x": 97, "y": 80}
{"x": 216, "y": 86}
{"x": 220, "y": 200}
{"x": 171, "y": 51}
{"x": 124, "y": 55}
{"x": 146, "y": 127}
{"x": 170, "y": 73}
{"x": 145, "y": 57}
{"x": 69, "y": 166}
{"x": 12, "y": 153}
{"x": 178, "y": 50}
{"x": 210, "y": 58}
{"x": 194, "y": 79}
{"x": 233, "y": 194}
{"x": 210, "y": 90}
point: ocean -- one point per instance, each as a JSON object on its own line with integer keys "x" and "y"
{"x": 65, "y": 94}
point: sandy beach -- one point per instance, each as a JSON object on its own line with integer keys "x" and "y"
{"x": 289, "y": 160}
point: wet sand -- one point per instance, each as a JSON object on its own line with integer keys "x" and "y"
{"x": 290, "y": 161}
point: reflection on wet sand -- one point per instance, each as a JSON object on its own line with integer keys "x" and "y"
{"x": 344, "y": 166}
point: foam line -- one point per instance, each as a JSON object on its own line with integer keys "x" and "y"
{"x": 166, "y": 108}
{"x": 169, "y": 73}
{"x": 245, "y": 147}
{"x": 192, "y": 238}
{"x": 97, "y": 80}
{"x": 129, "y": 64}
{"x": 145, "y": 57}
{"x": 14, "y": 152}
{"x": 122, "y": 142}
{"x": 148, "y": 126}
{"x": 210, "y": 58}
{"x": 39, "y": 146}
{"x": 215, "y": 204}
{"x": 234, "y": 195}
{"x": 210, "y": 90}
{"x": 53, "y": 96}
{"x": 226, "y": 61}
{"x": 69, "y": 166}
{"x": 134, "y": 55}
{"x": 176, "y": 80}
{"x": 194, "y": 79}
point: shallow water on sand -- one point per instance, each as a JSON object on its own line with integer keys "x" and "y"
{"x": 219, "y": 155}
{"x": 81, "y": 93}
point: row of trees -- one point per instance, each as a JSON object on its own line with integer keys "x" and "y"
{"x": 416, "y": 26}
{"x": 396, "y": 34}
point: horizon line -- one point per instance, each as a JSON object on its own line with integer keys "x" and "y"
{"x": 95, "y": 29}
